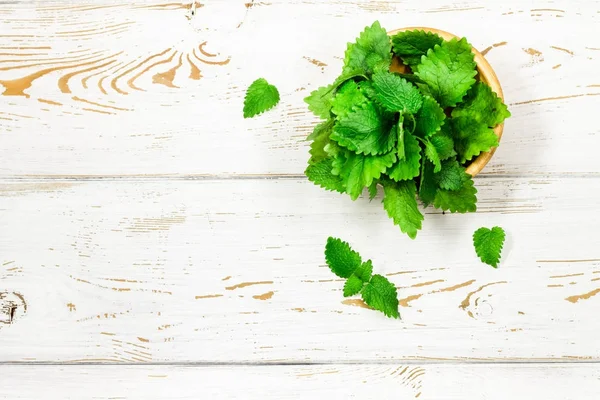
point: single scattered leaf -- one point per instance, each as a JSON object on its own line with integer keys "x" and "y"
{"x": 260, "y": 97}
{"x": 382, "y": 295}
{"x": 448, "y": 71}
{"x": 488, "y": 244}
{"x": 396, "y": 94}
{"x": 401, "y": 205}
{"x": 410, "y": 46}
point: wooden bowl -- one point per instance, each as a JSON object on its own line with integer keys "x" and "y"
{"x": 486, "y": 75}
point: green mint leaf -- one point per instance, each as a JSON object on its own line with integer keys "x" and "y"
{"x": 443, "y": 143}
{"x": 401, "y": 205}
{"x": 373, "y": 189}
{"x": 430, "y": 118}
{"x": 448, "y": 71}
{"x": 260, "y": 97}
{"x": 483, "y": 106}
{"x": 365, "y": 271}
{"x": 342, "y": 260}
{"x": 488, "y": 244}
{"x": 359, "y": 171}
{"x": 370, "y": 52}
{"x": 452, "y": 175}
{"x": 410, "y": 46}
{"x": 461, "y": 201}
{"x": 319, "y": 101}
{"x": 347, "y": 97}
{"x": 432, "y": 155}
{"x": 428, "y": 187}
{"x": 408, "y": 168}
{"x": 320, "y": 137}
{"x": 381, "y": 294}
{"x": 353, "y": 286}
{"x": 364, "y": 130}
{"x": 366, "y": 87}
{"x": 396, "y": 94}
{"x": 320, "y": 173}
{"x": 471, "y": 138}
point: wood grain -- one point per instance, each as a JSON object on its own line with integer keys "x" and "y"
{"x": 233, "y": 271}
{"x": 424, "y": 382}
{"x": 97, "y": 89}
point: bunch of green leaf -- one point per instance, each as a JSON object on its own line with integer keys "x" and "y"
{"x": 376, "y": 290}
{"x": 414, "y": 134}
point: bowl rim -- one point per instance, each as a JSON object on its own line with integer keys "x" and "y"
{"x": 486, "y": 75}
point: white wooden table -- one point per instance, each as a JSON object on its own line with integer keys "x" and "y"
{"x": 154, "y": 244}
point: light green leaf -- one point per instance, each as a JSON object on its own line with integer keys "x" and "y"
{"x": 452, "y": 175}
{"x": 260, "y": 97}
{"x": 364, "y": 130}
{"x": 488, "y": 244}
{"x": 448, "y": 71}
{"x": 396, "y": 94}
{"x": 461, "y": 201}
{"x": 430, "y": 118}
{"x": 483, "y": 106}
{"x": 359, "y": 171}
{"x": 320, "y": 173}
{"x": 432, "y": 154}
{"x": 408, "y": 168}
{"x": 370, "y": 52}
{"x": 401, "y": 205}
{"x": 471, "y": 138}
{"x": 382, "y": 295}
{"x": 353, "y": 286}
{"x": 342, "y": 260}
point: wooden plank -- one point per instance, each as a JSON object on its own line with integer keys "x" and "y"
{"x": 431, "y": 381}
{"x": 105, "y": 88}
{"x": 233, "y": 270}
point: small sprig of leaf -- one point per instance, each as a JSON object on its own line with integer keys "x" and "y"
{"x": 376, "y": 290}
{"x": 412, "y": 133}
{"x": 488, "y": 244}
{"x": 260, "y": 97}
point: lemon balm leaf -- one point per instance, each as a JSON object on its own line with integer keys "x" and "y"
{"x": 396, "y": 94}
{"x": 260, "y": 97}
{"x": 370, "y": 52}
{"x": 401, "y": 205}
{"x": 381, "y": 295}
{"x": 448, "y": 72}
{"x": 410, "y": 46}
{"x": 488, "y": 244}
